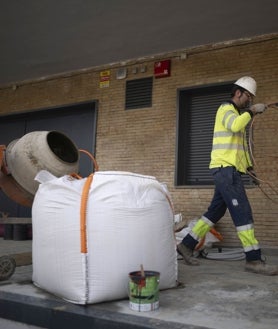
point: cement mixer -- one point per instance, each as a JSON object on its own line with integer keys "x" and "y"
{"x": 23, "y": 158}
{"x": 20, "y": 162}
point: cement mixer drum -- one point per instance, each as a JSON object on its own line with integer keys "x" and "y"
{"x": 38, "y": 150}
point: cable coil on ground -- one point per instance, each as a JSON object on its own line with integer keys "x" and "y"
{"x": 223, "y": 253}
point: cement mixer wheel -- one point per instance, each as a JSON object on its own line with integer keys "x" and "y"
{"x": 7, "y": 267}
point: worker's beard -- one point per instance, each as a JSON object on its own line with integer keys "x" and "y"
{"x": 246, "y": 105}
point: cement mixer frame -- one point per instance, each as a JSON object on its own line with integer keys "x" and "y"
{"x": 8, "y": 263}
{"x": 19, "y": 164}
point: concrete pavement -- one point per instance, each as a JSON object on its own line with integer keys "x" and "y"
{"x": 218, "y": 294}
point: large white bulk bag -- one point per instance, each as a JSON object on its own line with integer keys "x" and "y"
{"x": 129, "y": 222}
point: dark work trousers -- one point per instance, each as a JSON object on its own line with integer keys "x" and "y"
{"x": 229, "y": 193}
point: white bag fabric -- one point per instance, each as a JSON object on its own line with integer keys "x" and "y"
{"x": 129, "y": 222}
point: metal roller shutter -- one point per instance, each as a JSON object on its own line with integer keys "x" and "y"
{"x": 197, "y": 109}
{"x": 203, "y": 108}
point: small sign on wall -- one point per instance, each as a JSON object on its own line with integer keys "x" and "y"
{"x": 104, "y": 79}
{"x": 162, "y": 68}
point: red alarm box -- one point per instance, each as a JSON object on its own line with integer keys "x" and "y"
{"x": 162, "y": 68}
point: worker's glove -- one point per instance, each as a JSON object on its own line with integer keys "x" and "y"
{"x": 258, "y": 108}
{"x": 252, "y": 174}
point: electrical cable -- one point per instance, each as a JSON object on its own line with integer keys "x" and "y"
{"x": 224, "y": 254}
{"x": 96, "y": 168}
{"x": 256, "y": 179}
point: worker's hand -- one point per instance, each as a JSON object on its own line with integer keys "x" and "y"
{"x": 258, "y": 108}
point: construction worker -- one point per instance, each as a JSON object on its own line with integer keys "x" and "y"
{"x": 229, "y": 160}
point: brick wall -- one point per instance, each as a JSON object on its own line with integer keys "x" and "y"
{"x": 144, "y": 140}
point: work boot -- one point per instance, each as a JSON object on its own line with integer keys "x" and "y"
{"x": 260, "y": 267}
{"x": 187, "y": 254}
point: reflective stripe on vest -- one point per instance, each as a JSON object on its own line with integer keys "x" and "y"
{"x": 229, "y": 119}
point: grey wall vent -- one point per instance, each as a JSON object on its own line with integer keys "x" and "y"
{"x": 139, "y": 93}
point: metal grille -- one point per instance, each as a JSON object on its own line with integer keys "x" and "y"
{"x": 139, "y": 93}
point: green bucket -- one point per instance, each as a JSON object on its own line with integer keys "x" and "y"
{"x": 144, "y": 291}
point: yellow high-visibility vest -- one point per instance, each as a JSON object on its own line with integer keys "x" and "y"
{"x": 229, "y": 141}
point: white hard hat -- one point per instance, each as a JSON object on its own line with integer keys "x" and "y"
{"x": 248, "y": 84}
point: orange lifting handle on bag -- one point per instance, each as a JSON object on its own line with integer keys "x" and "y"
{"x": 84, "y": 202}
